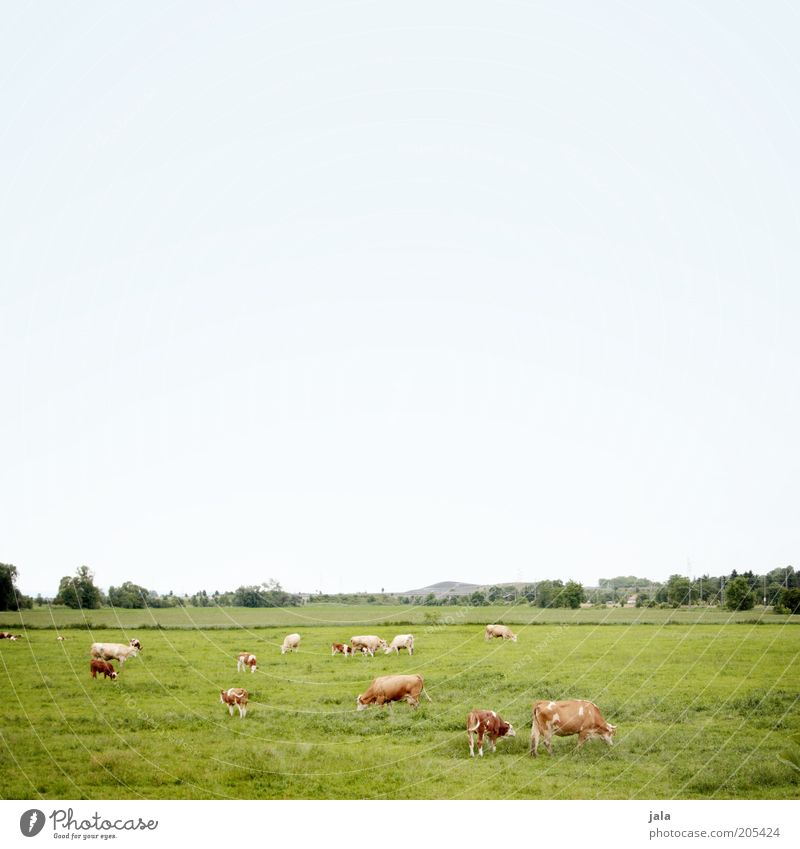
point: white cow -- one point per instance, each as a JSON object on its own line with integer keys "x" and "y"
{"x": 113, "y": 651}
{"x": 290, "y": 643}
{"x": 401, "y": 641}
{"x": 368, "y": 644}
{"x": 500, "y": 631}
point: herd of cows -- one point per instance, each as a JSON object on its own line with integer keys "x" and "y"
{"x": 560, "y": 718}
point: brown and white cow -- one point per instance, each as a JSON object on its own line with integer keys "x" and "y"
{"x": 61, "y": 639}
{"x": 482, "y": 722}
{"x": 103, "y": 666}
{"x": 341, "y": 648}
{"x": 5, "y": 635}
{"x": 290, "y": 643}
{"x": 368, "y": 644}
{"x": 575, "y": 716}
{"x": 235, "y": 696}
{"x": 401, "y": 641}
{"x": 135, "y": 643}
{"x": 499, "y": 631}
{"x": 393, "y": 688}
{"x": 245, "y": 659}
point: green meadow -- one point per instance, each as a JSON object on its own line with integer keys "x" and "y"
{"x": 705, "y": 708}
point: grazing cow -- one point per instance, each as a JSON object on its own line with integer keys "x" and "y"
{"x": 575, "y": 716}
{"x": 482, "y": 722}
{"x": 341, "y": 648}
{"x": 135, "y": 643}
{"x": 367, "y": 645}
{"x": 235, "y": 696}
{"x": 393, "y": 688}
{"x": 103, "y": 666}
{"x": 290, "y": 643}
{"x": 245, "y": 659}
{"x": 401, "y": 641}
{"x": 500, "y": 631}
{"x": 61, "y": 639}
{"x": 5, "y": 635}
{"x": 113, "y": 651}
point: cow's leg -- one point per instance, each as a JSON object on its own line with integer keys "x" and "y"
{"x": 534, "y": 738}
{"x": 471, "y": 744}
{"x": 230, "y": 709}
{"x": 492, "y": 740}
{"x": 480, "y": 741}
{"x": 548, "y": 740}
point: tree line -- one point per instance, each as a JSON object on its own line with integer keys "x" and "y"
{"x": 778, "y": 588}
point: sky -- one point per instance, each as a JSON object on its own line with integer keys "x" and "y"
{"x": 363, "y": 295}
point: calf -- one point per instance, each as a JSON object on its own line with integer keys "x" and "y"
{"x": 235, "y": 696}
{"x": 244, "y": 660}
{"x": 576, "y": 716}
{"x": 482, "y": 722}
{"x": 103, "y": 666}
{"x": 61, "y": 639}
{"x": 341, "y": 648}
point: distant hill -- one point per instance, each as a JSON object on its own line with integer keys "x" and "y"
{"x": 445, "y": 588}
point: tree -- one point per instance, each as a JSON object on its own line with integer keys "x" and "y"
{"x": 679, "y": 590}
{"x": 79, "y": 592}
{"x": 548, "y": 594}
{"x": 790, "y": 599}
{"x": 10, "y": 597}
{"x": 738, "y": 595}
{"x": 477, "y": 599}
{"x": 573, "y": 595}
{"x": 130, "y": 595}
{"x": 494, "y": 594}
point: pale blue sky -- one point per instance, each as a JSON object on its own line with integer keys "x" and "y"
{"x": 361, "y": 295}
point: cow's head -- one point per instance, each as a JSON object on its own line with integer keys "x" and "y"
{"x": 610, "y": 731}
{"x": 383, "y": 644}
{"x": 113, "y": 675}
{"x": 507, "y": 730}
{"x": 359, "y": 704}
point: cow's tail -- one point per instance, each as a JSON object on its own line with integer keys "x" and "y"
{"x": 425, "y": 693}
{"x": 475, "y": 720}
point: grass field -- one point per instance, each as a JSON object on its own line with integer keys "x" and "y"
{"x": 704, "y": 710}
{"x": 365, "y": 614}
